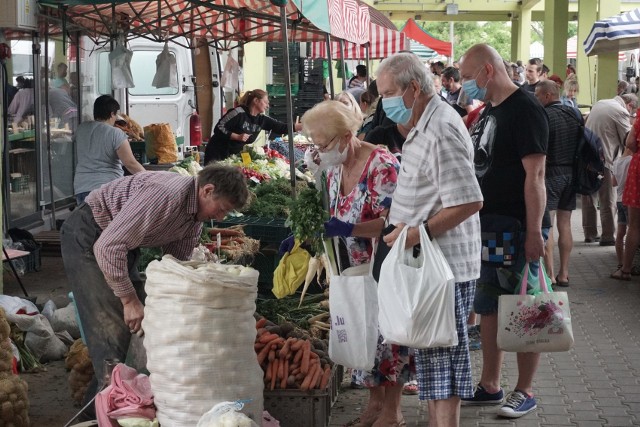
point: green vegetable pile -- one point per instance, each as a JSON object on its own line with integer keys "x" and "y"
{"x": 287, "y": 310}
{"x": 271, "y": 199}
{"x": 307, "y": 217}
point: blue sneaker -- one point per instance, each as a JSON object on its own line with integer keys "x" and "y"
{"x": 482, "y": 397}
{"x": 518, "y": 404}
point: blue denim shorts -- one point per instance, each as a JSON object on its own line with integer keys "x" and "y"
{"x": 623, "y": 213}
{"x": 494, "y": 281}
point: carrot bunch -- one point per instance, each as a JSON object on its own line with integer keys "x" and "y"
{"x": 290, "y": 362}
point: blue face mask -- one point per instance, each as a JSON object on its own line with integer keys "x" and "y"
{"x": 470, "y": 87}
{"x": 395, "y": 110}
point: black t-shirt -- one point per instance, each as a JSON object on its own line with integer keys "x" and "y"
{"x": 530, "y": 87}
{"x": 502, "y": 136}
{"x": 388, "y": 136}
{"x": 238, "y": 120}
{"x": 564, "y": 130}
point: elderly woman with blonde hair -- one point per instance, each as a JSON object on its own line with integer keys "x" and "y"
{"x": 350, "y": 101}
{"x": 361, "y": 178}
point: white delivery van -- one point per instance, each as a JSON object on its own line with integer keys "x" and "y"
{"x": 145, "y": 103}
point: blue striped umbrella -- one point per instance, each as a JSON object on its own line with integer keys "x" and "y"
{"x": 421, "y": 50}
{"x": 620, "y": 32}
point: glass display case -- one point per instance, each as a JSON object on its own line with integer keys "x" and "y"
{"x": 42, "y": 116}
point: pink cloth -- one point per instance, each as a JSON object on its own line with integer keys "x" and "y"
{"x": 128, "y": 396}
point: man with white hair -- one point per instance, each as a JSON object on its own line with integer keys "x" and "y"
{"x": 510, "y": 140}
{"x": 436, "y": 189}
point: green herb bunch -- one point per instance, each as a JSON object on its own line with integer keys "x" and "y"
{"x": 307, "y": 217}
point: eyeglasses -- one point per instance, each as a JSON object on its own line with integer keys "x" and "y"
{"x": 324, "y": 148}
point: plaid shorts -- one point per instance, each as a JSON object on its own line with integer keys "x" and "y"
{"x": 445, "y": 372}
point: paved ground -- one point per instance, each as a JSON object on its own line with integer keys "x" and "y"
{"x": 597, "y": 383}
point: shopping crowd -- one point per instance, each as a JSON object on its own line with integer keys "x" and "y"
{"x": 459, "y": 162}
{"x": 449, "y": 150}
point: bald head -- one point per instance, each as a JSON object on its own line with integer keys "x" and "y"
{"x": 484, "y": 64}
{"x": 481, "y": 54}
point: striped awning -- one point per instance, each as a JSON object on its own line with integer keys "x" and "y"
{"x": 615, "y": 34}
{"x": 161, "y": 20}
{"x": 384, "y": 40}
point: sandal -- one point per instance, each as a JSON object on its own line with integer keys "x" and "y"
{"x": 562, "y": 284}
{"x": 624, "y": 275}
{"x": 410, "y": 389}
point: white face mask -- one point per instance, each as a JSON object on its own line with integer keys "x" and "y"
{"x": 334, "y": 157}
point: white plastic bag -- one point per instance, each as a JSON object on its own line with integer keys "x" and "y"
{"x": 230, "y": 74}
{"x": 39, "y": 338}
{"x": 354, "y": 318}
{"x": 416, "y": 296}
{"x": 120, "y": 60}
{"x": 166, "y": 69}
{"x": 226, "y": 414}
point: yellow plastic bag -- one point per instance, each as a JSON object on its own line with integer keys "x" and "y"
{"x": 291, "y": 271}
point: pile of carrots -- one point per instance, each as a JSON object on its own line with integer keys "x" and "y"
{"x": 290, "y": 362}
{"x": 233, "y": 242}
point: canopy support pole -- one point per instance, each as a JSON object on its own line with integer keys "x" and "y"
{"x": 47, "y": 122}
{"x": 366, "y": 61}
{"x": 287, "y": 84}
{"x": 344, "y": 66}
{"x": 332, "y": 90}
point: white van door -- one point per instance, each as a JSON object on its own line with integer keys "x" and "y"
{"x": 147, "y": 104}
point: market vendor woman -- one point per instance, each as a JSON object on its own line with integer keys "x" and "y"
{"x": 100, "y": 242}
{"x": 242, "y": 125}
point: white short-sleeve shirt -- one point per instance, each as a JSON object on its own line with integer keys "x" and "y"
{"x": 437, "y": 172}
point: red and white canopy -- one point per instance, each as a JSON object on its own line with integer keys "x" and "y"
{"x": 384, "y": 40}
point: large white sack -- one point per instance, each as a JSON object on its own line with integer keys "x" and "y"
{"x": 199, "y": 335}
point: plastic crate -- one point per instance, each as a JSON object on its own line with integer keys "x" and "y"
{"x": 266, "y": 262}
{"x": 139, "y": 151}
{"x": 33, "y": 261}
{"x": 267, "y": 230}
{"x": 295, "y": 408}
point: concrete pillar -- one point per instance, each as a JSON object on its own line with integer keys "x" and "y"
{"x": 585, "y": 66}
{"x": 523, "y": 51}
{"x": 556, "y": 24}
{"x": 515, "y": 39}
{"x": 607, "y": 72}
{"x": 255, "y": 71}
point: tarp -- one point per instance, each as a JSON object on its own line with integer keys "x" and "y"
{"x": 414, "y": 32}
{"x": 614, "y": 34}
{"x": 231, "y": 20}
{"x": 384, "y": 40}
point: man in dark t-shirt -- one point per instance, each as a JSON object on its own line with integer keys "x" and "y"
{"x": 510, "y": 141}
{"x": 564, "y": 131}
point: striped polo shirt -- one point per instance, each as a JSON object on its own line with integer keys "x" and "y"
{"x": 148, "y": 209}
{"x": 437, "y": 172}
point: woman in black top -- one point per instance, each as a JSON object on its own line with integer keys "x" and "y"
{"x": 241, "y": 126}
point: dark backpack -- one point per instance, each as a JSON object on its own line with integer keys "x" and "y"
{"x": 588, "y": 161}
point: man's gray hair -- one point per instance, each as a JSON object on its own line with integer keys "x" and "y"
{"x": 405, "y": 67}
{"x": 631, "y": 99}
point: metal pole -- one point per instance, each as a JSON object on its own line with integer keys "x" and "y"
{"x": 367, "y": 59}
{"x": 452, "y": 40}
{"x": 332, "y": 90}
{"x": 287, "y": 84}
{"x": 47, "y": 122}
{"x": 344, "y": 66}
